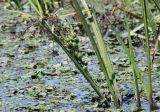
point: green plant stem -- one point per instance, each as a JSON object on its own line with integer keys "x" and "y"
{"x": 148, "y": 56}
{"x": 131, "y": 58}
{"x": 158, "y": 7}
{"x": 131, "y": 53}
{"x": 134, "y": 73}
{"x": 108, "y": 68}
{"x": 106, "y": 59}
{"x": 79, "y": 66}
{"x": 99, "y": 39}
{"x": 91, "y": 37}
{"x": 39, "y": 6}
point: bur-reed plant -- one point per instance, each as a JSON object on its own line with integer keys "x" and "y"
{"x": 98, "y": 44}
{"x": 16, "y": 4}
{"x": 106, "y": 65}
{"x": 127, "y": 3}
{"x": 129, "y": 52}
{"x": 145, "y": 20}
{"x": 69, "y": 43}
{"x": 45, "y": 7}
{"x": 67, "y": 47}
{"x": 39, "y": 6}
{"x": 70, "y": 51}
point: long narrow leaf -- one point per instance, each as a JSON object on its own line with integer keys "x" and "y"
{"x": 127, "y": 3}
{"x": 131, "y": 58}
{"x": 83, "y": 71}
{"x": 148, "y": 54}
{"x": 91, "y": 37}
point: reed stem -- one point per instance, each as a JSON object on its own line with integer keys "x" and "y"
{"x": 132, "y": 54}
{"x": 79, "y": 66}
{"x": 148, "y": 56}
{"x": 98, "y": 49}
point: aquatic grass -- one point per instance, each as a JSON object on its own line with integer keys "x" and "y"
{"x": 45, "y": 7}
{"x": 41, "y": 11}
{"x": 16, "y": 4}
{"x": 150, "y": 17}
{"x": 136, "y": 70}
{"x": 83, "y": 70}
{"x": 106, "y": 59}
{"x": 49, "y": 4}
{"x": 91, "y": 26}
{"x": 152, "y": 23}
{"x": 131, "y": 57}
{"x": 127, "y": 3}
{"x": 99, "y": 46}
{"x": 145, "y": 20}
{"x": 39, "y": 7}
{"x": 157, "y": 3}
{"x": 100, "y": 42}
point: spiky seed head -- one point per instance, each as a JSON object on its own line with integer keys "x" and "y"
{"x": 74, "y": 45}
{"x": 79, "y": 55}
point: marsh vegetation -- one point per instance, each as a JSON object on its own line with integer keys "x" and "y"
{"x": 79, "y": 55}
